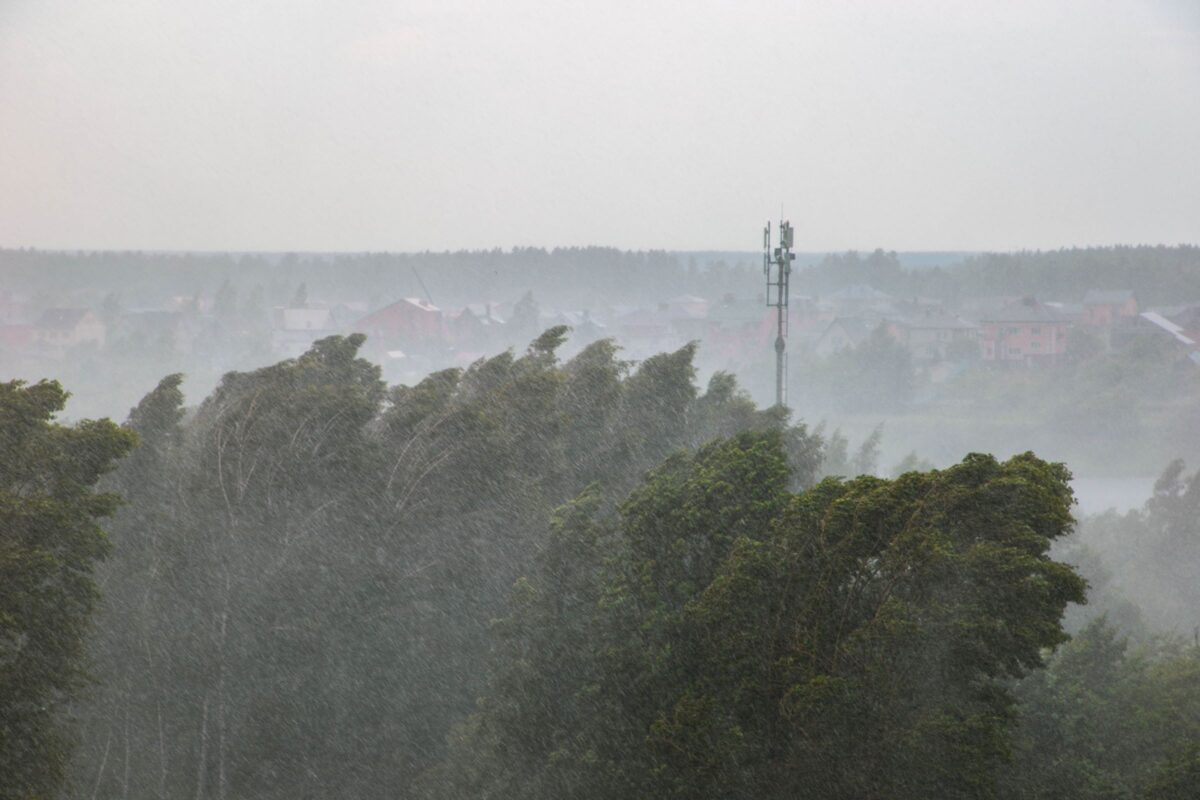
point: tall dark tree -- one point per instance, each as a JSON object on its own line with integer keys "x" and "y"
{"x": 50, "y": 542}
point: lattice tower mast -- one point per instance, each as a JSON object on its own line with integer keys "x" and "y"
{"x": 781, "y": 258}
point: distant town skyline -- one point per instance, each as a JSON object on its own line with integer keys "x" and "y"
{"x": 309, "y": 125}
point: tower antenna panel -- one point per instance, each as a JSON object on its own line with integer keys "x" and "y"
{"x": 780, "y": 258}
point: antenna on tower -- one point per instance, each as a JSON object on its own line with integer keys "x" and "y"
{"x": 781, "y": 257}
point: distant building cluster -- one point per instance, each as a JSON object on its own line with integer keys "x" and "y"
{"x": 410, "y": 336}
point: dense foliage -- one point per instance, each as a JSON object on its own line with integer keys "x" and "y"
{"x": 728, "y": 638}
{"x": 586, "y": 579}
{"x": 50, "y": 542}
{"x": 1107, "y": 720}
{"x": 309, "y": 564}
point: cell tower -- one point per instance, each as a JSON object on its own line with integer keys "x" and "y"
{"x": 777, "y": 297}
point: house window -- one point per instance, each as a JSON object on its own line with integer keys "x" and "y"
{"x": 1035, "y": 331}
{"x": 1035, "y": 346}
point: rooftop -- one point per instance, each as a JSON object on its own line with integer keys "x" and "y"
{"x": 1028, "y": 310}
{"x": 1104, "y": 297}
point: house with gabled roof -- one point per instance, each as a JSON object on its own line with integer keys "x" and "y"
{"x": 1103, "y": 308}
{"x": 737, "y": 328}
{"x": 409, "y": 323}
{"x": 1025, "y": 332}
{"x": 583, "y": 327}
{"x": 294, "y": 330}
{"x": 475, "y": 326}
{"x": 844, "y": 333}
{"x": 929, "y": 336}
{"x": 60, "y": 329}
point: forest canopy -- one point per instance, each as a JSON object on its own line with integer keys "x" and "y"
{"x": 547, "y": 578}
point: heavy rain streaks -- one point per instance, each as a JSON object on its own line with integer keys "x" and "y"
{"x": 312, "y": 485}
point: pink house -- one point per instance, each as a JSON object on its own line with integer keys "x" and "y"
{"x": 1023, "y": 333}
{"x": 1104, "y": 308}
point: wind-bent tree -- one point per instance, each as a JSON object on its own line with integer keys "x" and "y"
{"x": 50, "y": 541}
{"x": 138, "y": 692}
{"x": 728, "y": 639}
{"x": 307, "y": 573}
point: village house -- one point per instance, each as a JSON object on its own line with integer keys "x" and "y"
{"x": 293, "y": 330}
{"x": 843, "y": 333}
{"x": 584, "y": 329}
{"x": 343, "y": 315}
{"x": 644, "y": 332}
{"x": 934, "y": 336}
{"x": 407, "y": 324}
{"x": 807, "y": 320}
{"x": 475, "y": 326}
{"x": 739, "y": 328}
{"x": 686, "y": 314}
{"x": 1027, "y": 332}
{"x": 60, "y": 329}
{"x": 1074, "y": 313}
{"x": 1105, "y": 308}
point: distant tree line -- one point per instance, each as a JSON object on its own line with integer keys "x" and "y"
{"x": 588, "y": 277}
{"x": 565, "y": 277}
{"x": 1158, "y": 274}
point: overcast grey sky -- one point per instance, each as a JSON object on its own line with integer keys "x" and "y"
{"x": 439, "y": 124}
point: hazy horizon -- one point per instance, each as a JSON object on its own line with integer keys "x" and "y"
{"x": 317, "y": 127}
